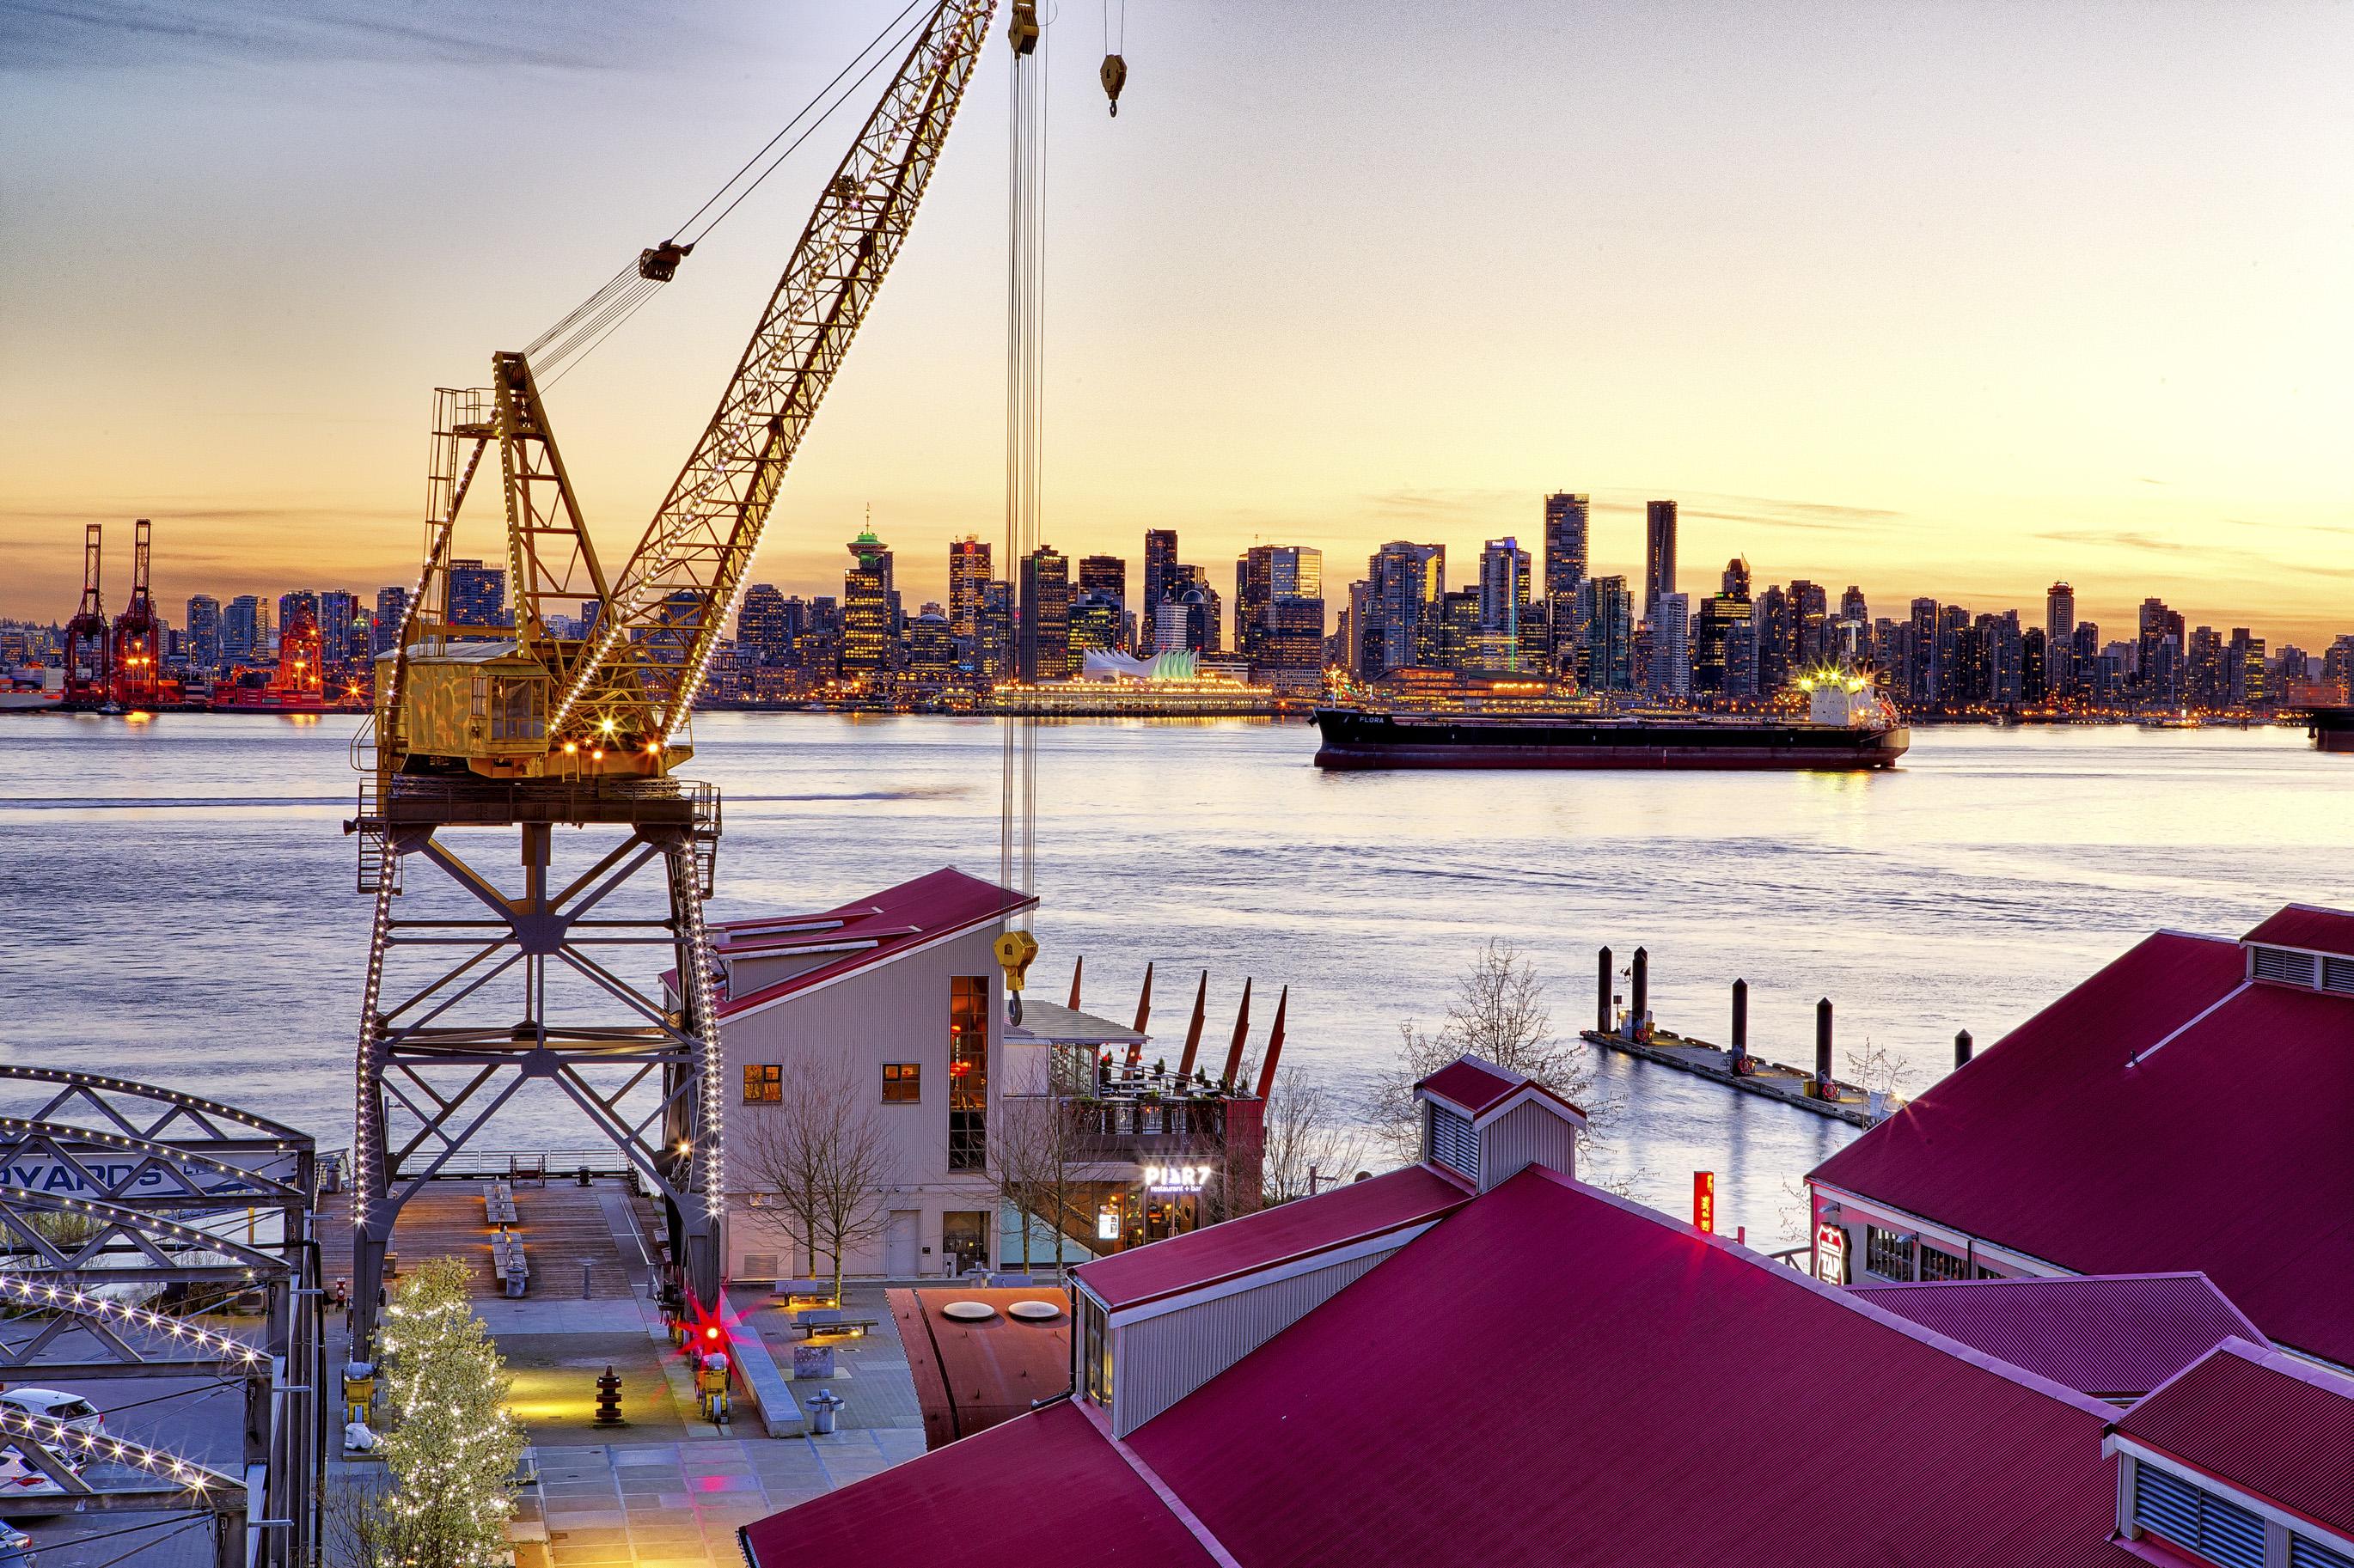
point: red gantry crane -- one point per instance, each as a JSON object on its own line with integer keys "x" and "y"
{"x": 137, "y": 663}
{"x": 88, "y": 645}
{"x": 526, "y": 728}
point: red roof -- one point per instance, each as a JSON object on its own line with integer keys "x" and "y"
{"x": 882, "y": 926}
{"x": 1469, "y": 1085}
{"x": 2264, "y": 1422}
{"x": 2302, "y": 925}
{"x": 2105, "y": 1335}
{"x": 970, "y": 1376}
{"x": 1551, "y": 1375}
{"x": 1253, "y": 1242}
{"x": 1044, "y": 1488}
{"x": 2223, "y": 1149}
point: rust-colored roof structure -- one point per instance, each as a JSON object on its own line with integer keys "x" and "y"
{"x": 2263, "y": 1422}
{"x": 852, "y": 937}
{"x": 970, "y": 1375}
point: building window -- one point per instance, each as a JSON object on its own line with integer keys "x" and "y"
{"x": 1983, "y": 1272}
{"x": 903, "y": 1082}
{"x": 967, "y": 1072}
{"x": 1937, "y": 1262}
{"x": 2197, "y": 1519}
{"x": 764, "y": 1085}
{"x": 1888, "y": 1254}
{"x": 1095, "y": 1352}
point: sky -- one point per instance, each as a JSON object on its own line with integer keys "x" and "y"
{"x": 1951, "y": 300}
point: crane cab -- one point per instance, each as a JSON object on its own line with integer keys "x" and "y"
{"x": 483, "y": 706}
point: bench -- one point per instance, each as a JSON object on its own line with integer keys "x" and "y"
{"x": 806, "y": 1293}
{"x": 830, "y": 1321}
{"x": 498, "y": 1200}
{"x": 509, "y": 1264}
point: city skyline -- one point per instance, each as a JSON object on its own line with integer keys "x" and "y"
{"x": 1823, "y": 351}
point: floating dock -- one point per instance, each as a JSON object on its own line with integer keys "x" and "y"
{"x": 1774, "y": 1080}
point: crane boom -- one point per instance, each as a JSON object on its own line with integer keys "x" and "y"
{"x": 671, "y": 603}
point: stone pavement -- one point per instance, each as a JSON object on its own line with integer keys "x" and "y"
{"x": 666, "y": 1489}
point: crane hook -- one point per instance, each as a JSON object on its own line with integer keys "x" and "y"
{"x": 661, "y": 262}
{"x": 1115, "y": 77}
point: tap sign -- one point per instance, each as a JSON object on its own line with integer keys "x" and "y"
{"x": 1704, "y": 1200}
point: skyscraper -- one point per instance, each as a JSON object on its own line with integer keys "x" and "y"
{"x": 1658, "y": 552}
{"x": 339, "y": 619}
{"x": 1669, "y": 674}
{"x": 1737, "y": 576}
{"x": 2059, "y": 639}
{"x": 391, "y": 610}
{"x": 1565, "y": 557}
{"x": 764, "y": 628}
{"x": 1046, "y": 632}
{"x": 1503, "y": 595}
{"x": 478, "y": 596}
{"x": 203, "y": 641}
{"x": 1920, "y": 669}
{"x": 992, "y": 633}
{"x": 870, "y": 605}
{"x": 1406, "y": 582}
{"x": 968, "y": 570}
{"x": 1722, "y": 647}
{"x": 1159, "y": 573}
{"x": 242, "y": 631}
{"x": 1609, "y": 613}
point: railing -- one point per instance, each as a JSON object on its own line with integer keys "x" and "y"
{"x": 1145, "y": 1128}
{"x": 474, "y": 1164}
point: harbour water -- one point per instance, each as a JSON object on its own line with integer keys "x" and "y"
{"x": 177, "y": 895}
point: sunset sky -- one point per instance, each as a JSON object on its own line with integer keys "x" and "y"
{"x": 1951, "y": 300}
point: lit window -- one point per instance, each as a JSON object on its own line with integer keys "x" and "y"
{"x": 903, "y": 1082}
{"x": 764, "y": 1085}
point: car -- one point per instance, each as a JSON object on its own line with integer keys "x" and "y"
{"x": 66, "y": 1409}
{"x": 17, "y": 1476}
{"x": 15, "y": 1548}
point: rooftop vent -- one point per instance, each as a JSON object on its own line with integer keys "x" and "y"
{"x": 1455, "y": 1142}
{"x": 2284, "y": 967}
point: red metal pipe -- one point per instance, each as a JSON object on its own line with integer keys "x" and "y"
{"x": 1193, "y": 1030}
{"x": 1242, "y": 1027}
{"x": 1274, "y": 1045}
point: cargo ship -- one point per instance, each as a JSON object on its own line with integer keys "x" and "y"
{"x": 1848, "y": 726}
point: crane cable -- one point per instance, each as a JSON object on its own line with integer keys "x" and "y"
{"x": 555, "y": 352}
{"x": 1024, "y": 362}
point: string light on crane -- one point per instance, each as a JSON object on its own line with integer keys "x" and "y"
{"x": 57, "y": 1436}
{"x": 30, "y": 1292}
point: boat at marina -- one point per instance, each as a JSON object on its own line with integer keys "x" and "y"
{"x": 1849, "y": 726}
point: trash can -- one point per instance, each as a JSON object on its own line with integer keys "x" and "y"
{"x": 823, "y": 1406}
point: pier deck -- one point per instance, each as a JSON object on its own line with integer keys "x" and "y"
{"x": 1774, "y": 1080}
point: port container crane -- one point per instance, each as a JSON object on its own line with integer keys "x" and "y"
{"x": 531, "y": 727}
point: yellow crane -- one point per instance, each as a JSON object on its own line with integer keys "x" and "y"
{"x": 529, "y": 727}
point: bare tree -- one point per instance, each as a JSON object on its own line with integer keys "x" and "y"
{"x": 822, "y": 1156}
{"x": 1498, "y": 1013}
{"x": 1307, "y": 1136}
{"x": 1043, "y": 1164}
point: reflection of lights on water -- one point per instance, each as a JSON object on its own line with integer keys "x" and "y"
{"x": 304, "y": 720}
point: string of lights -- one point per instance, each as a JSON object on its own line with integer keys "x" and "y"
{"x": 30, "y": 1292}
{"x": 59, "y": 1438}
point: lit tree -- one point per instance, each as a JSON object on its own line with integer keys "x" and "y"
{"x": 452, "y": 1450}
{"x": 1498, "y": 1014}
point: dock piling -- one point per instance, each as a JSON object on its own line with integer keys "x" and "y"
{"x": 1823, "y": 1046}
{"x": 1602, "y": 1020}
{"x": 1962, "y": 1049}
{"x": 1740, "y": 1023}
{"x": 1642, "y": 987}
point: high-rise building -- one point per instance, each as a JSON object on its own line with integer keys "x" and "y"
{"x": 1770, "y": 625}
{"x": 1921, "y": 654}
{"x": 1737, "y": 577}
{"x": 391, "y": 610}
{"x": 1503, "y": 591}
{"x": 2059, "y": 639}
{"x": 870, "y": 610}
{"x": 992, "y": 633}
{"x": 1810, "y": 612}
{"x": 1264, "y": 573}
{"x": 1658, "y": 552}
{"x": 1952, "y": 624}
{"x": 2035, "y": 665}
{"x": 968, "y": 570}
{"x": 1095, "y": 624}
{"x": 1669, "y": 673}
{"x": 1295, "y": 634}
{"x": 931, "y": 659}
{"x": 1405, "y": 583}
{"x": 201, "y": 643}
{"x": 1046, "y": 630}
{"x": 478, "y": 596}
{"x": 1722, "y": 647}
{"x": 1607, "y": 662}
{"x": 2246, "y": 659}
{"x": 242, "y": 631}
{"x": 1160, "y": 571}
{"x": 1565, "y": 545}
{"x": 342, "y": 630}
{"x": 765, "y": 628}
{"x": 1107, "y": 575}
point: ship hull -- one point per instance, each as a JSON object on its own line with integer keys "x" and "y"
{"x": 1360, "y": 740}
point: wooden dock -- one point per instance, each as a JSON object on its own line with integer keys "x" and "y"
{"x": 1774, "y": 1080}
